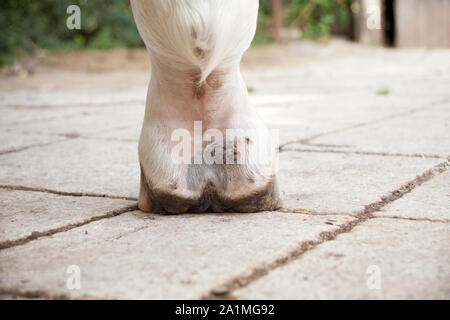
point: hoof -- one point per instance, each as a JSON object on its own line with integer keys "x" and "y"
{"x": 210, "y": 200}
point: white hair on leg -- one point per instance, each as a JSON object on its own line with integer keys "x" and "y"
{"x": 200, "y": 34}
{"x": 195, "y": 48}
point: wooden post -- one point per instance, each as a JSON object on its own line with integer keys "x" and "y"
{"x": 277, "y": 20}
{"x": 368, "y": 11}
{"x": 423, "y": 23}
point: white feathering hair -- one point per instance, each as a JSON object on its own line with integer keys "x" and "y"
{"x": 200, "y": 34}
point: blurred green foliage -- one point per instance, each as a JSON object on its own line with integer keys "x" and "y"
{"x": 264, "y": 22}
{"x": 30, "y": 24}
{"x": 319, "y": 18}
{"x": 316, "y": 19}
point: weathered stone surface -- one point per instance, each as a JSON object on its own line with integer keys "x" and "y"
{"x": 25, "y": 212}
{"x": 352, "y": 87}
{"x": 423, "y": 132}
{"x": 343, "y": 183}
{"x": 136, "y": 255}
{"x": 411, "y": 257}
{"x": 13, "y": 141}
{"x": 62, "y": 88}
{"x": 76, "y": 165}
{"x": 10, "y": 117}
{"x": 302, "y": 119}
{"x": 88, "y": 125}
{"x": 430, "y": 201}
{"x": 129, "y": 133}
{"x": 356, "y": 69}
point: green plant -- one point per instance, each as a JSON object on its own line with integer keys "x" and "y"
{"x": 264, "y": 22}
{"x": 27, "y": 25}
{"x": 318, "y": 18}
{"x": 383, "y": 92}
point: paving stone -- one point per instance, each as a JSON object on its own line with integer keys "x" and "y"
{"x": 128, "y": 133}
{"x": 343, "y": 183}
{"x": 12, "y": 141}
{"x": 10, "y": 117}
{"x": 15, "y": 297}
{"x": 411, "y": 258}
{"x": 137, "y": 255}
{"x": 430, "y": 201}
{"x": 88, "y": 125}
{"x": 76, "y": 165}
{"x": 363, "y": 75}
{"x": 307, "y": 118}
{"x": 327, "y": 103}
{"x": 62, "y": 88}
{"x": 22, "y": 128}
{"x": 61, "y": 99}
{"x": 24, "y": 212}
{"x": 424, "y": 132}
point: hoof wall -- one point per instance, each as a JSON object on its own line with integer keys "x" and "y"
{"x": 265, "y": 199}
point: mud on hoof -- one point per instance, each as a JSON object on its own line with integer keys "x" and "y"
{"x": 264, "y": 199}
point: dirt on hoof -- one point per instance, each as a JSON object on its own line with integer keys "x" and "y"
{"x": 155, "y": 201}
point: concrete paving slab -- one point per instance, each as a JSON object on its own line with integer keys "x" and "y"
{"x": 25, "y": 212}
{"x": 38, "y": 99}
{"x": 101, "y": 119}
{"x": 137, "y": 255}
{"x": 10, "y": 117}
{"x": 343, "y": 183}
{"x": 363, "y": 74}
{"x": 12, "y": 296}
{"x": 379, "y": 259}
{"x": 127, "y": 133}
{"x": 425, "y": 132}
{"x": 11, "y": 141}
{"x": 430, "y": 201}
{"x": 304, "y": 119}
{"x": 76, "y": 165}
{"x": 58, "y": 88}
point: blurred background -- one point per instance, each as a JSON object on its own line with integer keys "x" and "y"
{"x": 33, "y": 27}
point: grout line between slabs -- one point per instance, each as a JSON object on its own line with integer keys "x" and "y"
{"x": 40, "y": 294}
{"x": 366, "y": 153}
{"x": 38, "y": 234}
{"x": 366, "y": 123}
{"x": 72, "y": 105}
{"x": 39, "y": 145}
{"x": 314, "y": 213}
{"x": 412, "y": 219}
{"x": 64, "y": 193}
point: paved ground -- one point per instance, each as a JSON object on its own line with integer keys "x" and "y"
{"x": 365, "y": 136}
